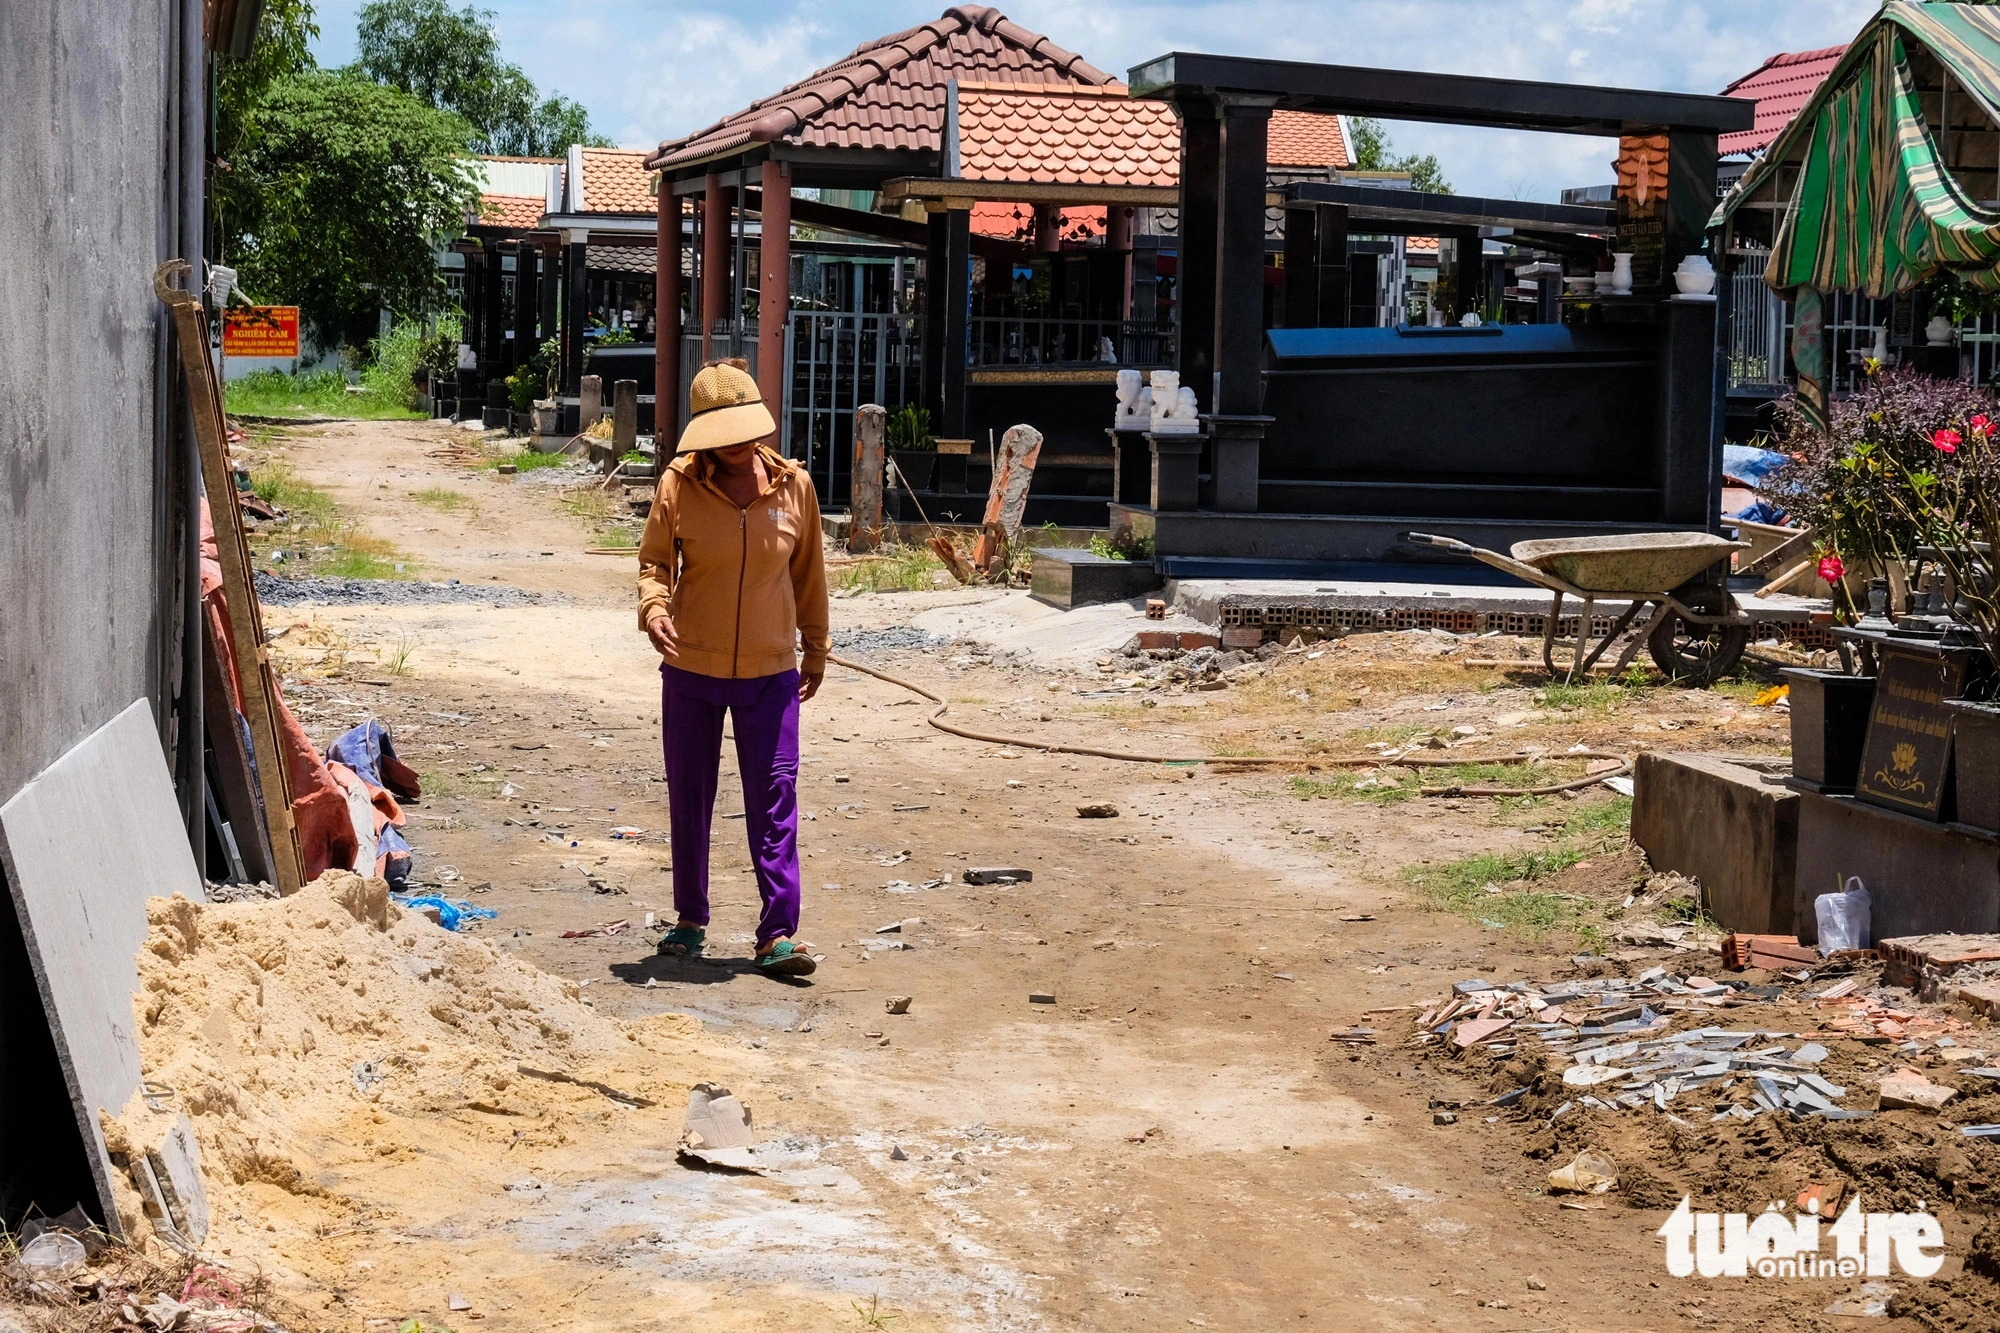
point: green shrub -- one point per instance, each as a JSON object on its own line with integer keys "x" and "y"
{"x": 909, "y": 427}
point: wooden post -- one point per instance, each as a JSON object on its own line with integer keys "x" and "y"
{"x": 246, "y": 619}
{"x": 667, "y": 327}
{"x": 493, "y": 325}
{"x": 1007, "y": 498}
{"x": 864, "y": 508}
{"x": 714, "y": 262}
{"x": 774, "y": 284}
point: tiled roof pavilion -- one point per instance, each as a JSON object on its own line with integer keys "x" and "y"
{"x": 889, "y": 94}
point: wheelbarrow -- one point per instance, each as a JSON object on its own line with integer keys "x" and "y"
{"x": 1696, "y": 631}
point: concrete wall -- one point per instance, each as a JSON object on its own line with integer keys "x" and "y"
{"x": 91, "y": 159}
{"x": 101, "y": 159}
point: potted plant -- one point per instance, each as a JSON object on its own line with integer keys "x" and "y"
{"x": 1909, "y": 472}
{"x": 908, "y": 435}
{"x": 1881, "y": 482}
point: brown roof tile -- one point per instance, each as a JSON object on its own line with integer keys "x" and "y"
{"x": 517, "y": 212}
{"x": 615, "y": 180}
{"x": 889, "y": 93}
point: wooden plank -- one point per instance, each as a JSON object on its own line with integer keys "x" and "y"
{"x": 235, "y": 786}
{"x": 246, "y": 617}
{"x": 1790, "y": 549}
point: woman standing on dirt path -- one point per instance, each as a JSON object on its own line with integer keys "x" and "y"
{"x": 731, "y": 579}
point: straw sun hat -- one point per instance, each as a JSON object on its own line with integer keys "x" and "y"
{"x": 724, "y": 408}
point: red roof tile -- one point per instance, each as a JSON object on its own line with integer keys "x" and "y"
{"x": 615, "y": 180}
{"x": 1016, "y": 222}
{"x": 1058, "y": 133}
{"x": 1307, "y": 139}
{"x": 1781, "y": 87}
{"x": 1101, "y": 135}
{"x": 889, "y": 93}
{"x": 516, "y": 212}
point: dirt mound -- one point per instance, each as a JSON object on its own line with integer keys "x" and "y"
{"x": 351, "y": 1066}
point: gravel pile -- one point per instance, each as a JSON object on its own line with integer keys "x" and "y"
{"x": 391, "y": 592}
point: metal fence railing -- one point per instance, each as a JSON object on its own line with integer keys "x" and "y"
{"x": 839, "y": 360}
{"x": 1026, "y": 340}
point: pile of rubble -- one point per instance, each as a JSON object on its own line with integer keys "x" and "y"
{"x": 1613, "y": 1034}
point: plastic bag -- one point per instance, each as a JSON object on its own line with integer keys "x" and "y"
{"x": 450, "y": 911}
{"x": 1843, "y": 918}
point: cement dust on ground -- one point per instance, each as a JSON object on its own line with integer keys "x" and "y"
{"x": 1174, "y": 1142}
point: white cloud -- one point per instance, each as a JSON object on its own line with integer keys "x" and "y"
{"x": 654, "y": 69}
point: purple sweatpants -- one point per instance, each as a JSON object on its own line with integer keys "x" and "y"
{"x": 765, "y": 710}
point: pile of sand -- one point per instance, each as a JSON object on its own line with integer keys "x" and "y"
{"x": 352, "y": 1068}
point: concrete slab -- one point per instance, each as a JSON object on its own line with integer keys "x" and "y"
{"x": 84, "y": 845}
{"x": 1723, "y": 826}
{"x": 1015, "y": 622}
{"x": 1068, "y": 578}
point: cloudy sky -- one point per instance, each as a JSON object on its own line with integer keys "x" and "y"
{"x": 654, "y": 69}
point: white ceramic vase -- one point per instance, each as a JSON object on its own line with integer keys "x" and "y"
{"x": 1621, "y": 274}
{"x": 1938, "y": 332}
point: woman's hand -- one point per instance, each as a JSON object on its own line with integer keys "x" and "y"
{"x": 660, "y": 629}
{"x": 809, "y": 684}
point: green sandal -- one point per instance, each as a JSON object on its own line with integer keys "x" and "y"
{"x": 786, "y": 961}
{"x": 683, "y": 942}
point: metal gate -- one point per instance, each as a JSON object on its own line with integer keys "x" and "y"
{"x": 836, "y": 361}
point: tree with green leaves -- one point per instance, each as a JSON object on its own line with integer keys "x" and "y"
{"x": 450, "y": 59}
{"x": 1374, "y": 152}
{"x": 350, "y": 188}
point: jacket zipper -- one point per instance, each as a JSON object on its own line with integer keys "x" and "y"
{"x": 736, "y": 647}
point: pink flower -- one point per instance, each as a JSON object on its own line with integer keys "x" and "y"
{"x": 1830, "y": 567}
{"x": 1947, "y": 441}
{"x": 1980, "y": 426}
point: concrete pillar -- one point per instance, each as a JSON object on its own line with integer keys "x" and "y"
{"x": 1240, "y": 300}
{"x": 590, "y": 402}
{"x": 667, "y": 325}
{"x": 1301, "y": 305}
{"x": 493, "y": 322}
{"x": 774, "y": 289}
{"x": 574, "y": 301}
{"x": 957, "y": 319}
{"x": 1194, "y": 284}
{"x": 1048, "y": 229}
{"x": 864, "y": 508}
{"x": 1118, "y": 239}
{"x": 936, "y": 259}
{"x": 624, "y": 418}
{"x": 714, "y": 262}
{"x": 527, "y": 301}
{"x": 1336, "y": 278}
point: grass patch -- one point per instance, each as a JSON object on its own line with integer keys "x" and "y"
{"x": 1496, "y": 888}
{"x": 1387, "y": 787}
{"x": 316, "y": 393}
{"x": 618, "y": 538}
{"x": 590, "y": 505}
{"x": 1597, "y": 696}
{"x": 895, "y": 569}
{"x": 525, "y": 460}
{"x": 318, "y": 541}
{"x": 445, "y": 500}
{"x": 1461, "y": 887}
{"x": 395, "y": 658}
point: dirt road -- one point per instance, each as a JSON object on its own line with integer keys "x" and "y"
{"x": 1173, "y": 1142}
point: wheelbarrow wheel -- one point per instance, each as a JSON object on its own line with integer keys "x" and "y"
{"x": 1701, "y": 654}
